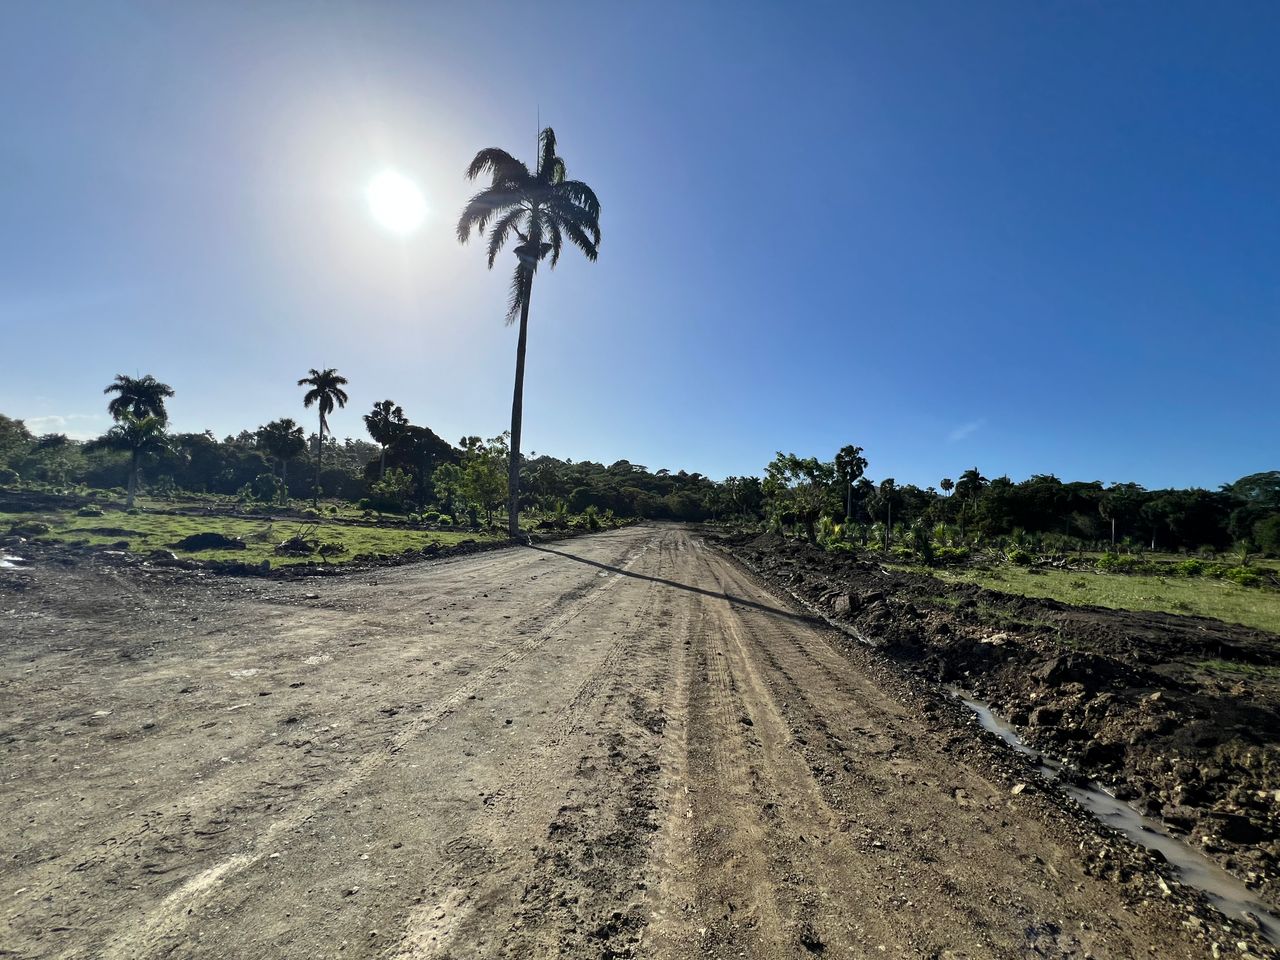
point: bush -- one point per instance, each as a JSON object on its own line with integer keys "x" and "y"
{"x": 839, "y": 546}
{"x": 7, "y": 476}
{"x": 1019, "y": 556}
{"x": 1115, "y": 563}
{"x": 945, "y": 555}
{"x": 1191, "y": 567}
{"x": 1245, "y": 576}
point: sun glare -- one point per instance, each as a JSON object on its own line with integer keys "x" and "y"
{"x": 395, "y": 202}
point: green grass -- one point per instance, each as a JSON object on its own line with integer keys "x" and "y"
{"x": 1248, "y": 670}
{"x": 158, "y": 531}
{"x": 1199, "y": 596}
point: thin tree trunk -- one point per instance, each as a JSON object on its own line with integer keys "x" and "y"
{"x": 284, "y": 481}
{"x": 133, "y": 479}
{"x": 517, "y": 413}
{"x": 315, "y": 494}
{"x": 382, "y": 472}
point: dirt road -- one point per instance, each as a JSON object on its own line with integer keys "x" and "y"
{"x": 613, "y": 746}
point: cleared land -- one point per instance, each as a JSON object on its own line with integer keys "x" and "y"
{"x": 614, "y": 746}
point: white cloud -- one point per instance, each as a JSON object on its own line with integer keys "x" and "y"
{"x": 77, "y": 426}
{"x": 966, "y": 430}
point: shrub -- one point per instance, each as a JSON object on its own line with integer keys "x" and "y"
{"x": 1115, "y": 563}
{"x": 1019, "y": 556}
{"x": 945, "y": 555}
{"x": 1191, "y": 567}
{"x": 1245, "y": 576}
{"x": 839, "y": 546}
{"x": 431, "y": 516}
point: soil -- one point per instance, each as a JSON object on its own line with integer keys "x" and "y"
{"x": 1178, "y": 715}
{"x": 614, "y": 746}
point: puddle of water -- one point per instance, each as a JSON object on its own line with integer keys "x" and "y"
{"x": 8, "y": 562}
{"x": 1224, "y": 891}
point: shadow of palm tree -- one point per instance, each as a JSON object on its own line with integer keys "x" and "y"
{"x": 719, "y": 595}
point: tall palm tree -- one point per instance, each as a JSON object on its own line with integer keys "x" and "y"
{"x": 385, "y": 423}
{"x": 326, "y": 391}
{"x": 283, "y": 440}
{"x": 139, "y": 396}
{"x": 141, "y": 436}
{"x": 540, "y": 209}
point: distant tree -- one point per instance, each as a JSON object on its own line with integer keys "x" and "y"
{"x": 140, "y": 437}
{"x": 140, "y": 397}
{"x": 1120, "y": 506}
{"x": 385, "y": 423}
{"x": 801, "y": 487}
{"x": 850, "y": 465}
{"x": 283, "y": 441}
{"x": 15, "y": 440}
{"x": 540, "y": 208}
{"x": 447, "y": 481}
{"x": 326, "y": 391}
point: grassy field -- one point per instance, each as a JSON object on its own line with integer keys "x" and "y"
{"x": 1199, "y": 596}
{"x": 145, "y": 531}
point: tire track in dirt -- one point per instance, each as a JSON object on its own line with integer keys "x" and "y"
{"x": 1006, "y": 912}
{"x": 165, "y": 921}
{"x": 541, "y": 892}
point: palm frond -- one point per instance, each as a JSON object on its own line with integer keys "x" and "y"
{"x": 557, "y": 240}
{"x": 581, "y": 239}
{"x": 546, "y": 151}
{"x": 520, "y": 282}
{"x": 507, "y": 223}
{"x": 501, "y": 165}
{"x": 482, "y": 207}
{"x": 579, "y": 194}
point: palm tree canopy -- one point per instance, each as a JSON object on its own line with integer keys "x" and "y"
{"x": 326, "y": 390}
{"x": 384, "y": 422}
{"x": 282, "y": 439}
{"x": 139, "y": 396}
{"x": 541, "y": 209}
{"x": 141, "y": 435}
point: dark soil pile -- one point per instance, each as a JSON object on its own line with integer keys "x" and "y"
{"x": 1179, "y": 715}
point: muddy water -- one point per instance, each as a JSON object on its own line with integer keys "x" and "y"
{"x": 1224, "y": 891}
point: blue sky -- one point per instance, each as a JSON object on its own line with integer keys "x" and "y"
{"x": 1031, "y": 237}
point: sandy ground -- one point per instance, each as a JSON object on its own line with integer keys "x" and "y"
{"x": 620, "y": 745}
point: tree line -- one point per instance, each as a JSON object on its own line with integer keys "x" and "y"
{"x": 406, "y": 467}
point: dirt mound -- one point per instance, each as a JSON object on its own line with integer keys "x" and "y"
{"x": 209, "y": 540}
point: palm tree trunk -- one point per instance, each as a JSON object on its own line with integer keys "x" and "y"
{"x": 517, "y": 413}
{"x": 284, "y": 480}
{"x": 382, "y": 470}
{"x": 315, "y": 494}
{"x": 133, "y": 479}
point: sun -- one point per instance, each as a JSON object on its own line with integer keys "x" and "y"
{"x": 395, "y": 202}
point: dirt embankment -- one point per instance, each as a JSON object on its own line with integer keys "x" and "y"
{"x": 1178, "y": 715}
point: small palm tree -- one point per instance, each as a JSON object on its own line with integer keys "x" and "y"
{"x": 141, "y": 436}
{"x": 541, "y": 209}
{"x": 283, "y": 440}
{"x": 326, "y": 392}
{"x": 385, "y": 423}
{"x": 139, "y": 396}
